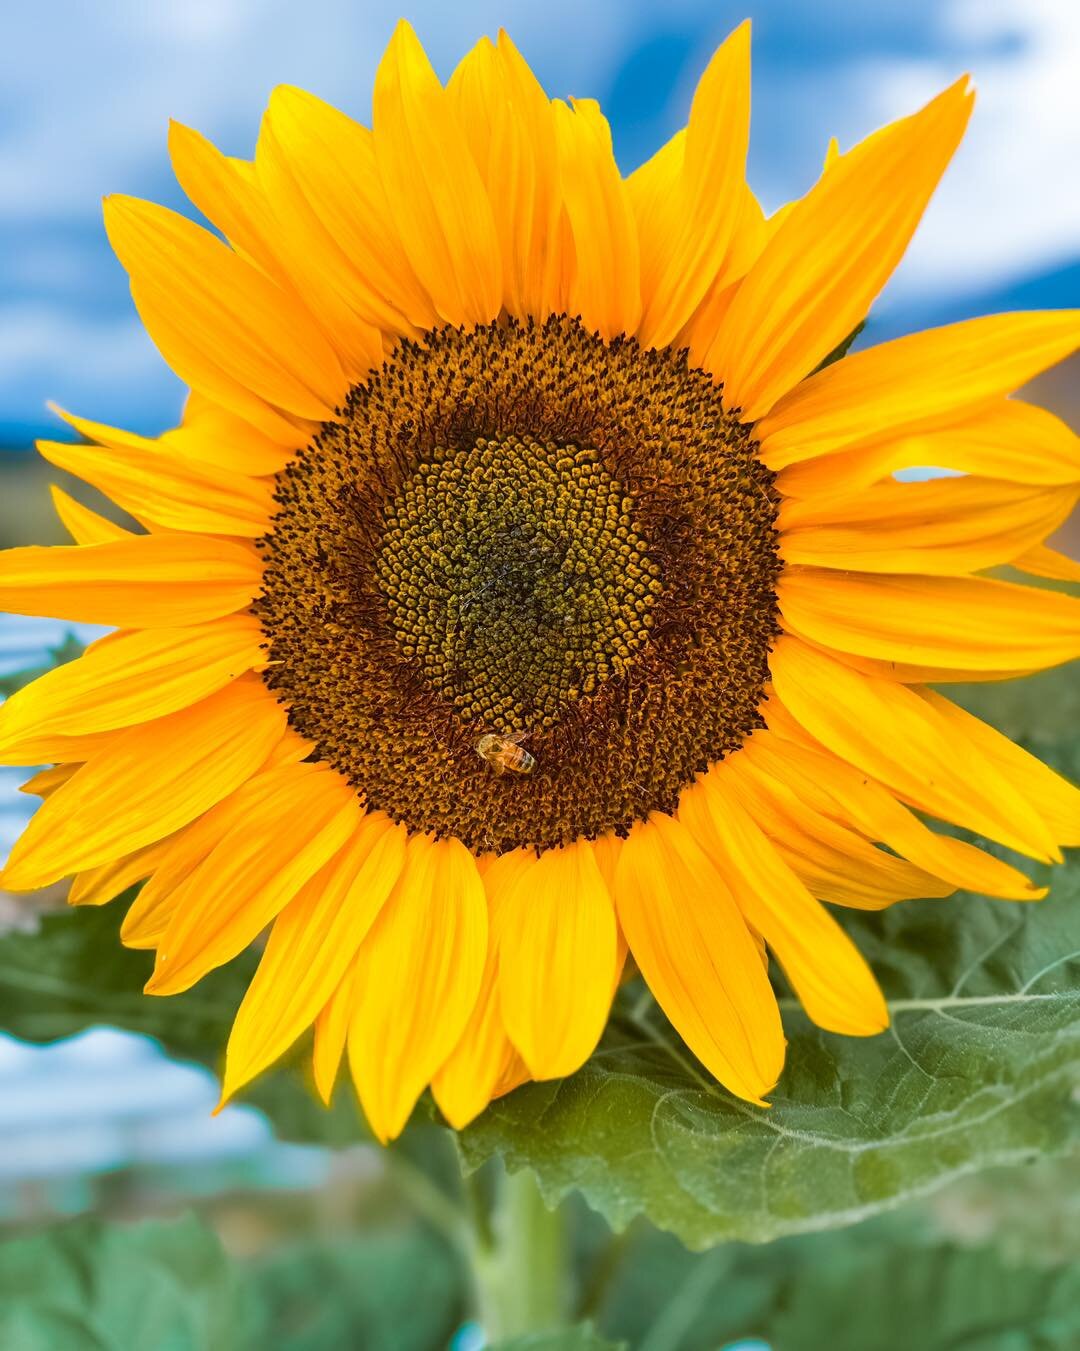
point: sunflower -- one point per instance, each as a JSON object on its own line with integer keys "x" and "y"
{"x": 528, "y": 590}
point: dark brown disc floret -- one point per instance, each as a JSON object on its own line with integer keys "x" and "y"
{"x": 524, "y": 533}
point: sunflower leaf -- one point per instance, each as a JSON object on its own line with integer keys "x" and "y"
{"x": 977, "y": 1069}
{"x": 915, "y": 1288}
{"x": 90, "y": 1286}
{"x": 396, "y": 1288}
{"x": 912, "y": 1293}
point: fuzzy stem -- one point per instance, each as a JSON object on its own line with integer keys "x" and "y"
{"x": 519, "y": 1261}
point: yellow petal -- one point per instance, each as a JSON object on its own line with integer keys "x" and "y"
{"x": 652, "y": 183}
{"x": 319, "y": 169}
{"x": 148, "y": 783}
{"x": 216, "y": 435}
{"x": 606, "y": 285}
{"x": 946, "y": 526}
{"x": 1054, "y": 798}
{"x": 98, "y": 885}
{"x": 253, "y": 873}
{"x": 964, "y": 623}
{"x": 47, "y": 781}
{"x": 510, "y": 126}
{"x": 686, "y": 233}
{"x": 557, "y": 953}
{"x": 833, "y": 862}
{"x": 83, "y": 525}
{"x": 606, "y": 850}
{"x": 418, "y": 975}
{"x": 840, "y": 790}
{"x": 911, "y": 673}
{"x": 305, "y": 263}
{"x": 437, "y": 200}
{"x": 751, "y": 235}
{"x": 692, "y": 945}
{"x": 484, "y": 1059}
{"x": 892, "y": 734}
{"x": 186, "y": 351}
{"x": 238, "y": 322}
{"x": 226, "y": 191}
{"x": 1006, "y": 439}
{"x": 817, "y": 277}
{"x": 152, "y": 910}
{"x": 826, "y": 970}
{"x": 311, "y": 947}
{"x": 325, "y": 276}
{"x": 331, "y": 1033}
{"x": 59, "y": 748}
{"x": 132, "y": 678}
{"x": 145, "y": 581}
{"x": 159, "y": 488}
{"x": 915, "y": 380}
{"x": 1040, "y": 561}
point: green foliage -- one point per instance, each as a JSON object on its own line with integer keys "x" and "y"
{"x": 396, "y": 1289}
{"x": 580, "y": 1338}
{"x": 853, "y": 1296}
{"x": 976, "y": 1070}
{"x": 887, "y": 1286}
{"x": 90, "y": 1286}
{"x": 890, "y": 1285}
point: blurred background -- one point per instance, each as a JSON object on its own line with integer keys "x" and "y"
{"x": 86, "y": 91}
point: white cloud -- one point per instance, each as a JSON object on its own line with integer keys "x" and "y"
{"x": 86, "y": 90}
{"x": 1010, "y": 202}
{"x": 104, "y": 368}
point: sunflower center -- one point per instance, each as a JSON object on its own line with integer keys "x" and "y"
{"x": 523, "y": 548}
{"x": 514, "y": 578}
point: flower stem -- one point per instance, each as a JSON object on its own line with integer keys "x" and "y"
{"x": 519, "y": 1265}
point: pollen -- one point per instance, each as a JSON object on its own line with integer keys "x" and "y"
{"x": 527, "y": 532}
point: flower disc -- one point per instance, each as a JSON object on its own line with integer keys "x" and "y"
{"x": 528, "y": 531}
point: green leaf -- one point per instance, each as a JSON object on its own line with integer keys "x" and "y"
{"x": 580, "y": 1338}
{"x": 889, "y": 1285}
{"x": 92, "y": 1286}
{"x": 976, "y": 1070}
{"x": 88, "y": 1286}
{"x": 936, "y": 1298}
{"x": 395, "y": 1289}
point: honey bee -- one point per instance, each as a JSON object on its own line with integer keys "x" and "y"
{"x": 504, "y": 754}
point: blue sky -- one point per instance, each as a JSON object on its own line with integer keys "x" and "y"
{"x": 86, "y": 91}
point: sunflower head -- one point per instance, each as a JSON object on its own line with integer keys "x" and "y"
{"x": 528, "y": 585}
{"x": 526, "y": 532}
